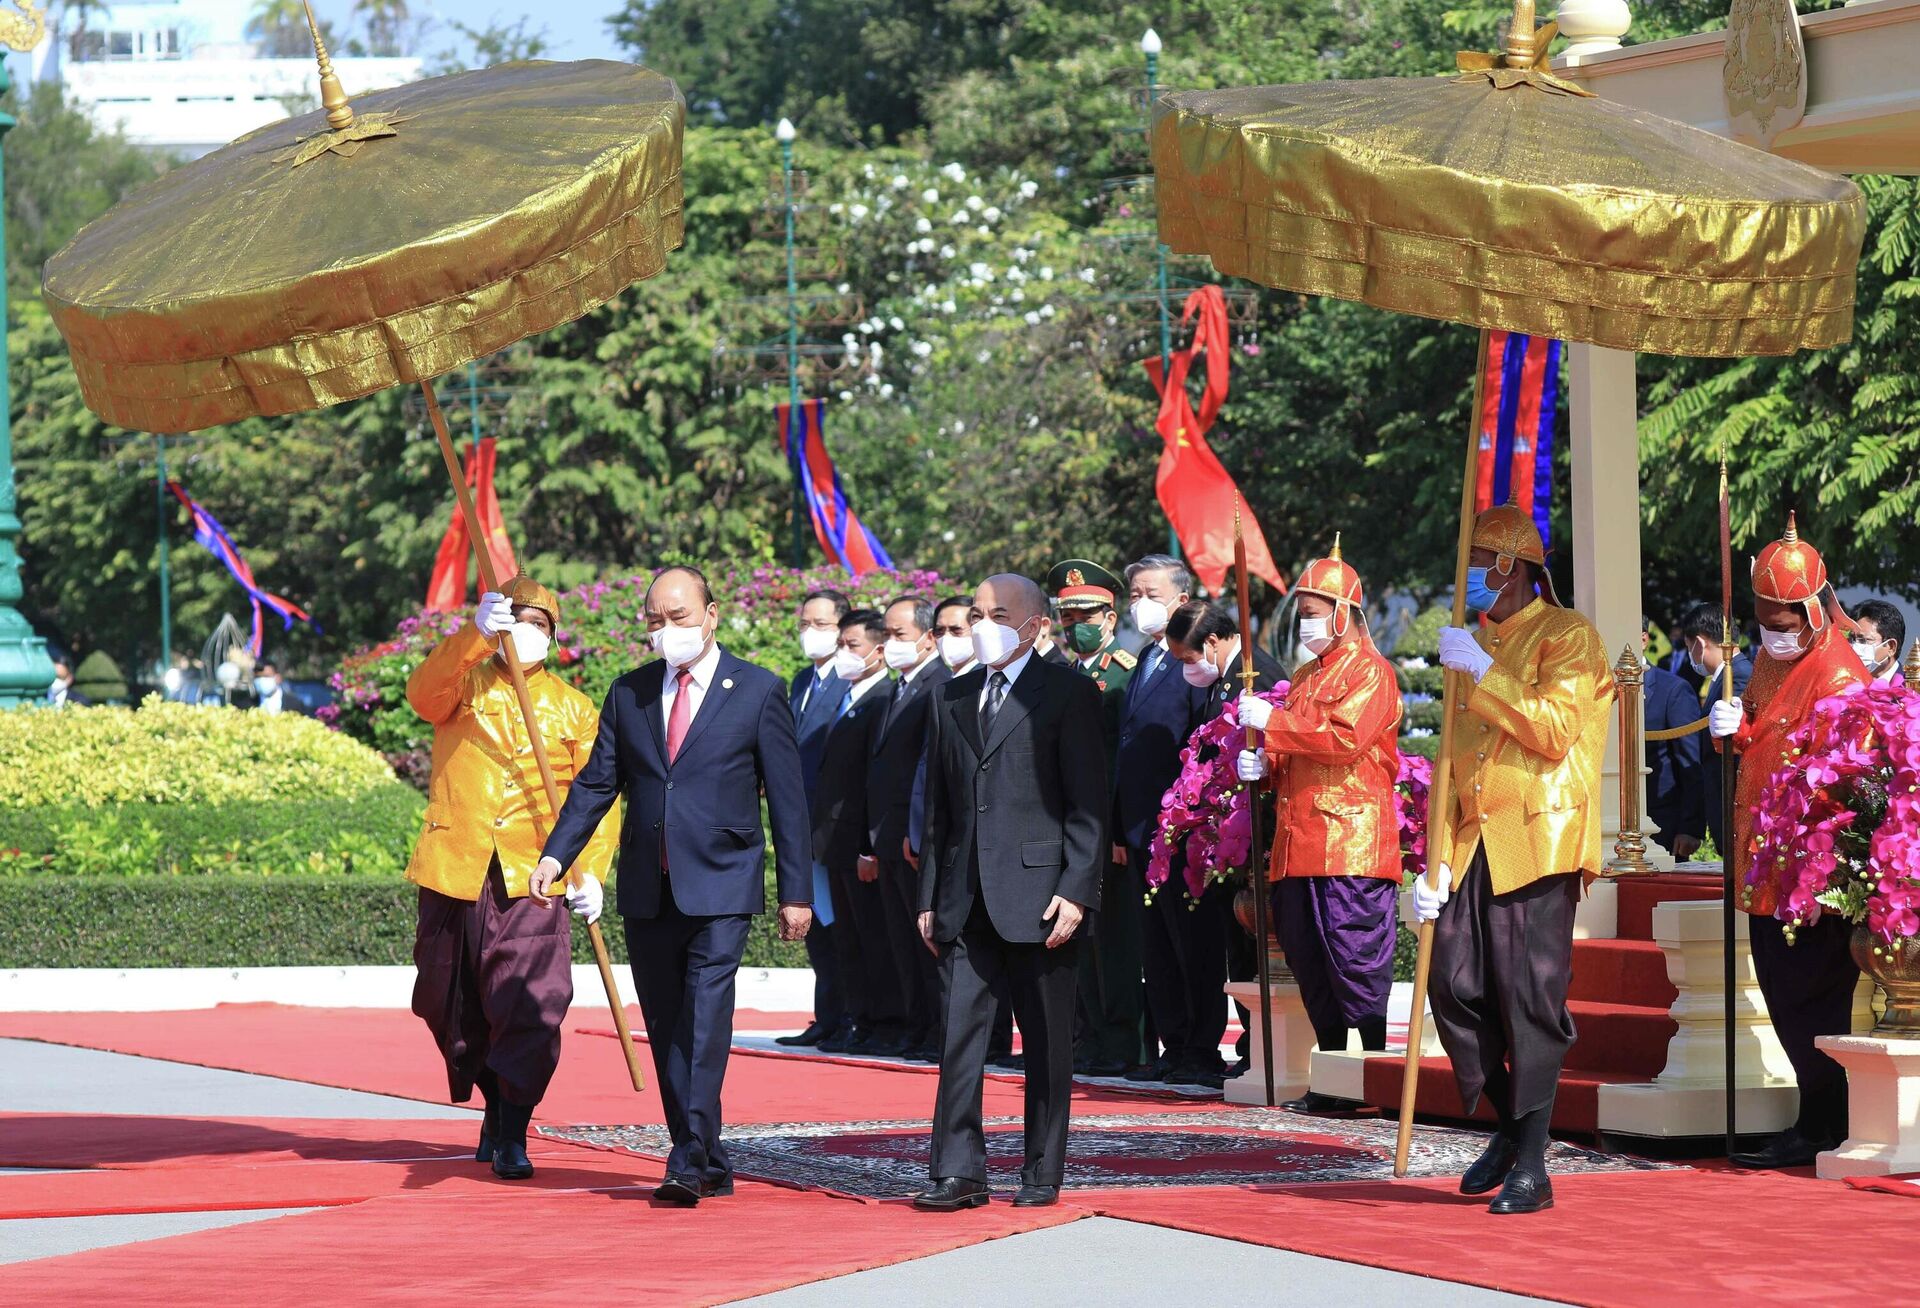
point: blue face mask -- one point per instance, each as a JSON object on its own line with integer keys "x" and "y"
{"x": 1480, "y": 596}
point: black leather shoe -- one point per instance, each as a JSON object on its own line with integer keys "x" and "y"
{"x": 840, "y": 1040}
{"x": 1213, "y": 1078}
{"x": 949, "y": 1194}
{"x": 510, "y": 1161}
{"x": 806, "y": 1039}
{"x": 1037, "y": 1196}
{"x": 1313, "y": 1102}
{"x": 1523, "y": 1193}
{"x": 1154, "y": 1069}
{"x": 892, "y": 1045}
{"x": 1788, "y": 1149}
{"x": 684, "y": 1191}
{"x": 1492, "y": 1167}
{"x": 489, "y": 1127}
{"x": 1103, "y": 1067}
{"x": 1011, "y": 1062}
{"x": 922, "y": 1054}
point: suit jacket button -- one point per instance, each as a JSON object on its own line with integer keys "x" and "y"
{"x": 656, "y": 826}
{"x": 669, "y": 785}
{"x": 983, "y": 808}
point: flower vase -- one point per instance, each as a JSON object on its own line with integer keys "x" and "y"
{"x": 1895, "y": 968}
{"x": 1277, "y": 970}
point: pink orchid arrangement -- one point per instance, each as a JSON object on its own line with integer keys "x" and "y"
{"x": 1838, "y": 824}
{"x": 1207, "y": 819}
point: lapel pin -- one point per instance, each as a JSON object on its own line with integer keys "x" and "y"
{"x": 727, "y": 684}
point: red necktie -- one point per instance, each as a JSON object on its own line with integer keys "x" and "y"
{"x": 681, "y": 715}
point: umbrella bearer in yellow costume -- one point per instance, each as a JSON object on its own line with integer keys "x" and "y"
{"x": 494, "y": 966}
{"x": 1514, "y": 853}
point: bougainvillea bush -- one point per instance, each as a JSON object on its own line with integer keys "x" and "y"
{"x": 1838, "y": 825}
{"x": 1206, "y": 822}
{"x": 602, "y": 633}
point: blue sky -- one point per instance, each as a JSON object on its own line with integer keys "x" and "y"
{"x": 577, "y": 28}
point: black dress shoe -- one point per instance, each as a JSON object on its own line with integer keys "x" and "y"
{"x": 1239, "y": 1067}
{"x": 1492, "y": 1167}
{"x": 1153, "y": 1070}
{"x": 1788, "y": 1149}
{"x": 1313, "y": 1102}
{"x": 510, "y": 1161}
{"x": 921, "y": 1054}
{"x": 685, "y": 1191}
{"x": 1037, "y": 1196}
{"x": 489, "y": 1127}
{"x": 840, "y": 1040}
{"x": 949, "y": 1194}
{"x": 1011, "y": 1062}
{"x": 806, "y": 1039}
{"x": 1523, "y": 1193}
{"x": 1213, "y": 1078}
{"x": 892, "y": 1045}
{"x": 1104, "y": 1067}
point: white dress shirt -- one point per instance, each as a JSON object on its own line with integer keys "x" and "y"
{"x": 703, "y": 669}
{"x": 862, "y": 688}
{"x": 1012, "y": 671}
{"x": 906, "y": 678}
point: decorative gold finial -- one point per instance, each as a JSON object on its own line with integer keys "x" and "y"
{"x": 333, "y": 96}
{"x": 1793, "y": 532}
{"x": 1520, "y": 48}
{"x": 1912, "y": 670}
{"x": 1335, "y": 554}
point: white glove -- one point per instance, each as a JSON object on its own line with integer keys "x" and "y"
{"x": 494, "y": 615}
{"x": 1723, "y": 719}
{"x": 1461, "y": 652}
{"x": 1251, "y": 765}
{"x": 1254, "y": 711}
{"x": 1427, "y": 900}
{"x": 586, "y": 898}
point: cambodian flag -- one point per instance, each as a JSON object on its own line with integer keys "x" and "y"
{"x": 1517, "y": 422}
{"x": 208, "y": 531}
{"x": 841, "y": 534}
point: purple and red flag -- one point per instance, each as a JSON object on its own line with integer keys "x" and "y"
{"x": 1517, "y": 422}
{"x": 839, "y": 531}
{"x": 447, "y": 585}
{"x": 208, "y": 531}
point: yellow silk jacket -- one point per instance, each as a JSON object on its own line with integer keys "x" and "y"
{"x": 485, "y": 796}
{"x": 1335, "y": 758}
{"x": 1528, "y": 745}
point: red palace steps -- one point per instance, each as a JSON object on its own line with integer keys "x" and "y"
{"x": 1619, "y": 998}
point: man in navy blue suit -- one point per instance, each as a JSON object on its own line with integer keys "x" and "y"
{"x": 1676, "y": 777}
{"x": 692, "y": 741}
{"x": 1700, "y": 632}
{"x": 815, "y": 698}
{"x": 1184, "y": 956}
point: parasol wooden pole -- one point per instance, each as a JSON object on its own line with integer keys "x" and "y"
{"x": 1727, "y": 761}
{"x": 490, "y": 582}
{"x": 1440, "y": 794}
{"x": 1256, "y": 873}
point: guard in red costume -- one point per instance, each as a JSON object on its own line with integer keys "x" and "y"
{"x": 1808, "y": 981}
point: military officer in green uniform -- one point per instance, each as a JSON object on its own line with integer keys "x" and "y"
{"x": 1112, "y": 996}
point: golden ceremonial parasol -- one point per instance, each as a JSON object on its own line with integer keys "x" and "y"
{"x": 368, "y": 245}
{"x": 1508, "y": 199}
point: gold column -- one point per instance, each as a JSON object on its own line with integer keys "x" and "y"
{"x": 1630, "y": 850}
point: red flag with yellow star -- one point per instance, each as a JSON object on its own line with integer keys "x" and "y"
{"x": 1195, "y": 491}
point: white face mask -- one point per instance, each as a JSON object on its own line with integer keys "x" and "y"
{"x": 849, "y": 666}
{"x": 1316, "y": 634}
{"x": 956, "y": 650}
{"x": 817, "y": 644}
{"x": 1200, "y": 672}
{"x": 679, "y": 646}
{"x": 994, "y": 642}
{"x": 1782, "y": 645}
{"x": 1699, "y": 669}
{"x": 1150, "y": 616}
{"x": 901, "y": 654}
{"x": 1869, "y": 652}
{"x": 530, "y": 644}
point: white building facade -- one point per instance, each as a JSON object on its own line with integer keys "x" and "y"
{"x": 182, "y": 77}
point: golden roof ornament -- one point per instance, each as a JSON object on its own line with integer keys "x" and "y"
{"x": 1522, "y": 60}
{"x": 349, "y": 131}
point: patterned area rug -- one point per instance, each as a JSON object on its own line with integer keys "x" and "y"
{"x": 888, "y": 1160}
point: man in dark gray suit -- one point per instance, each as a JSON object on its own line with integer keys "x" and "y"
{"x": 1016, "y": 841}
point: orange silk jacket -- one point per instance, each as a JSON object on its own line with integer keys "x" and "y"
{"x": 485, "y": 796}
{"x": 1527, "y": 750}
{"x": 1334, "y": 758}
{"x": 1779, "y": 697}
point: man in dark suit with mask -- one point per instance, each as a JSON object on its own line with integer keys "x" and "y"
{"x": 814, "y": 696}
{"x": 692, "y": 740}
{"x": 1016, "y": 841}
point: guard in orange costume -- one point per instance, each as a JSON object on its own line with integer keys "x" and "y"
{"x": 1525, "y": 826}
{"x": 1335, "y": 867}
{"x": 495, "y": 967}
{"x": 1808, "y": 983}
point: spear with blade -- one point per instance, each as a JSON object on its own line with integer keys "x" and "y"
{"x": 1727, "y": 762}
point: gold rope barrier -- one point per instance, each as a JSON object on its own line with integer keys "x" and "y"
{"x": 1674, "y": 733}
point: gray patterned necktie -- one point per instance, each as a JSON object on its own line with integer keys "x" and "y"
{"x": 990, "y": 708}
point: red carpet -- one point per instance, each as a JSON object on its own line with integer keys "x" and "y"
{"x": 1654, "y": 1239}
{"x": 558, "y": 1249}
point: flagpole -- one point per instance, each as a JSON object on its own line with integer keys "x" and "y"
{"x": 1727, "y": 763}
{"x": 784, "y": 133}
{"x": 1440, "y": 792}
{"x": 483, "y": 558}
{"x": 1256, "y": 874}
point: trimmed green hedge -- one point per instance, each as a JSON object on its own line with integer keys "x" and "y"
{"x": 369, "y": 834}
{"x": 226, "y": 920}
